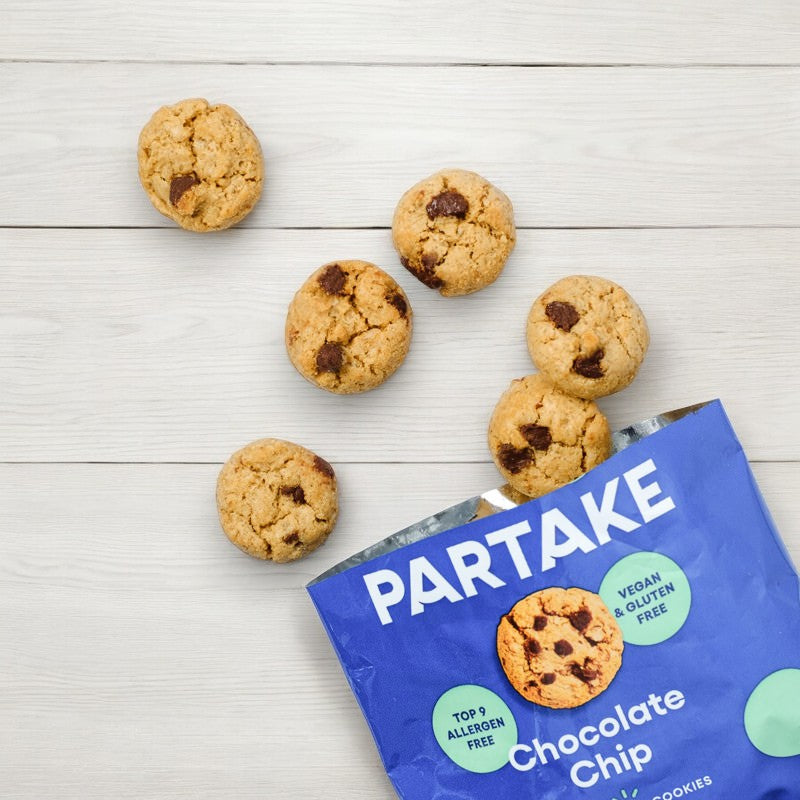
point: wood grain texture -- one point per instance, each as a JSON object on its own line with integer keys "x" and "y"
{"x": 571, "y": 147}
{"x": 158, "y": 345}
{"x": 141, "y": 654}
{"x": 504, "y": 31}
{"x": 144, "y": 656}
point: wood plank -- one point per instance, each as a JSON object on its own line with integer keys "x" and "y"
{"x": 507, "y": 31}
{"x": 571, "y": 147}
{"x": 156, "y": 345}
{"x": 144, "y": 656}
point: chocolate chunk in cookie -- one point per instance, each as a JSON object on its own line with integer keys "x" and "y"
{"x": 562, "y": 647}
{"x": 448, "y": 204}
{"x": 580, "y": 619}
{"x": 321, "y": 465}
{"x": 562, "y": 315}
{"x": 425, "y": 270}
{"x": 332, "y": 279}
{"x": 513, "y": 459}
{"x": 180, "y": 185}
{"x": 537, "y": 436}
{"x": 399, "y": 302}
{"x": 330, "y": 357}
{"x": 295, "y": 492}
{"x": 583, "y": 673}
{"x": 589, "y": 366}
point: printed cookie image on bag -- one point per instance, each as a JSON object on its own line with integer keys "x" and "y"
{"x": 560, "y": 647}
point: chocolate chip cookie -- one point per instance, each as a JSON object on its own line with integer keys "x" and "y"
{"x": 277, "y": 500}
{"x": 587, "y": 335}
{"x": 200, "y": 165}
{"x": 454, "y": 231}
{"x": 560, "y": 647}
{"x": 348, "y": 327}
{"x": 541, "y": 438}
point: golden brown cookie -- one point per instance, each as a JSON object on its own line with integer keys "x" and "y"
{"x": 454, "y": 231}
{"x": 587, "y": 335}
{"x": 348, "y": 327}
{"x": 277, "y": 500}
{"x": 560, "y": 647}
{"x": 541, "y": 438}
{"x": 200, "y": 165}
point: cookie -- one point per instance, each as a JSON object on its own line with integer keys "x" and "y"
{"x": 348, "y": 327}
{"x": 200, "y": 165}
{"x": 560, "y": 647}
{"x": 541, "y": 438}
{"x": 587, "y": 335}
{"x": 454, "y": 231}
{"x": 276, "y": 500}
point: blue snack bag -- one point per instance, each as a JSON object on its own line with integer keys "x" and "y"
{"x": 634, "y": 634}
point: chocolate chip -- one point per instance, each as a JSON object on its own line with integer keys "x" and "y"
{"x": 580, "y": 619}
{"x": 514, "y": 459}
{"x": 548, "y": 678}
{"x": 330, "y": 357}
{"x": 589, "y": 367}
{"x": 399, "y": 302}
{"x": 332, "y": 279}
{"x": 427, "y": 274}
{"x": 562, "y": 647}
{"x": 537, "y": 436}
{"x": 321, "y": 465}
{"x": 295, "y": 492}
{"x": 179, "y": 186}
{"x": 562, "y": 315}
{"x": 292, "y": 538}
{"x": 539, "y": 623}
{"x": 583, "y": 673}
{"x": 448, "y": 204}
{"x": 425, "y": 271}
{"x": 531, "y": 684}
{"x": 533, "y": 647}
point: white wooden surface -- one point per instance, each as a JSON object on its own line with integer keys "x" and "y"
{"x": 585, "y": 147}
{"x": 417, "y": 31}
{"x": 141, "y": 655}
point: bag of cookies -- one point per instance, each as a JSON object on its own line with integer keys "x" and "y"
{"x": 634, "y": 634}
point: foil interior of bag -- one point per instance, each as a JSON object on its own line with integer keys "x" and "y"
{"x": 494, "y": 500}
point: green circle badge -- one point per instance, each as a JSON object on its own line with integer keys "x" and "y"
{"x": 474, "y": 727}
{"x": 772, "y": 714}
{"x": 649, "y": 596}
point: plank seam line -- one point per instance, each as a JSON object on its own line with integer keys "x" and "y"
{"x": 343, "y": 462}
{"x": 419, "y": 64}
{"x": 728, "y": 226}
